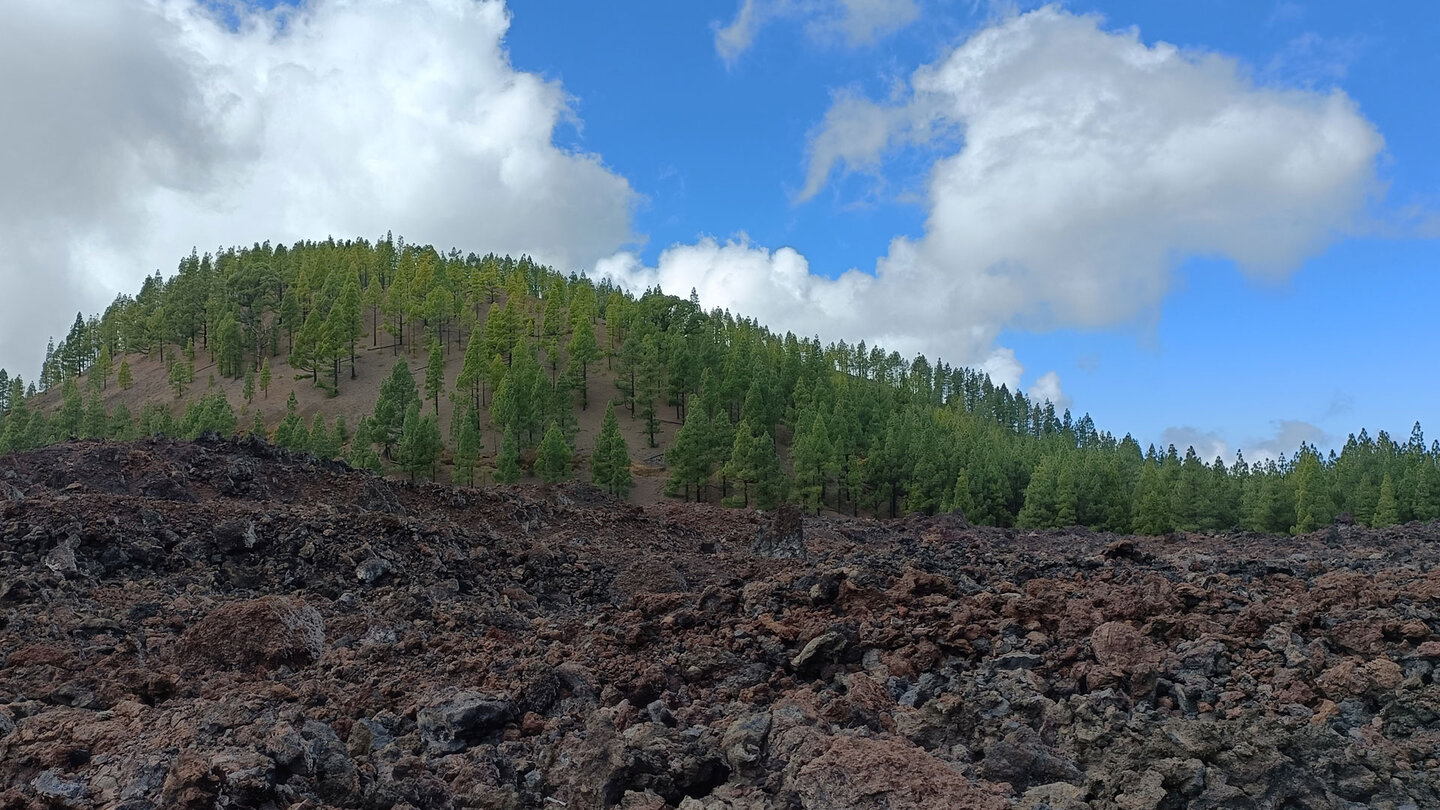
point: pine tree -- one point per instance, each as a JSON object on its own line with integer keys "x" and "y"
{"x": 467, "y": 448}
{"x": 419, "y": 447}
{"x": 102, "y": 366}
{"x": 812, "y": 456}
{"x": 583, "y": 351}
{"x": 323, "y": 443}
{"x": 291, "y": 433}
{"x": 265, "y": 378}
{"x": 1313, "y": 505}
{"x": 397, "y": 393}
{"x": 179, "y": 378}
{"x": 1189, "y": 498}
{"x": 739, "y": 466}
{"x": 1387, "y": 510}
{"x": 435, "y": 374}
{"x": 688, "y": 456}
{"x": 1039, "y": 511}
{"x": 258, "y": 427}
{"x": 507, "y": 463}
{"x": 552, "y": 463}
{"x": 122, "y": 425}
{"x": 1151, "y": 512}
{"x": 473, "y": 369}
{"x": 96, "y": 422}
{"x": 649, "y": 387}
{"x": 124, "y": 376}
{"x": 248, "y": 392}
{"x": 610, "y": 461}
{"x": 362, "y": 455}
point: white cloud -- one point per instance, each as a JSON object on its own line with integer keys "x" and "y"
{"x": 151, "y": 126}
{"x": 1047, "y": 389}
{"x": 1288, "y": 436}
{"x": 1090, "y": 165}
{"x": 1207, "y": 443}
{"x": 854, "y": 23}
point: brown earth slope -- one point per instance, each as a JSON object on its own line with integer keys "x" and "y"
{"x": 217, "y": 624}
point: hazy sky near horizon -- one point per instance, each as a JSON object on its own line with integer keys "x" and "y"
{"x": 1212, "y": 223}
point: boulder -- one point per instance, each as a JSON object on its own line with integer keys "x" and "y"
{"x": 457, "y": 720}
{"x": 264, "y": 633}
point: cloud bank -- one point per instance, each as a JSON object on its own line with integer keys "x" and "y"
{"x": 152, "y": 126}
{"x": 1076, "y": 167}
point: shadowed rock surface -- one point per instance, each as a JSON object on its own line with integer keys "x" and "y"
{"x": 219, "y": 624}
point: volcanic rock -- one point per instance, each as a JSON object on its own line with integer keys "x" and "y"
{"x": 263, "y": 633}
{"x": 225, "y": 624}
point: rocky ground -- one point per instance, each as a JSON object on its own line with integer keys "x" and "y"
{"x": 216, "y": 624}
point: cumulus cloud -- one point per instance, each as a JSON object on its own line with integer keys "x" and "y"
{"x": 1287, "y": 437}
{"x": 1076, "y": 166}
{"x": 777, "y": 288}
{"x": 146, "y": 127}
{"x": 853, "y": 22}
{"x": 1047, "y": 389}
{"x": 1208, "y": 444}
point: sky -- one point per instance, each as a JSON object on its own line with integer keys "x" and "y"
{"x": 1213, "y": 224}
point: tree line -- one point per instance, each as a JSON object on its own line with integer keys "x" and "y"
{"x": 763, "y": 416}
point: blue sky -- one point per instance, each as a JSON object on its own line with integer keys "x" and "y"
{"x": 1230, "y": 243}
{"x": 1343, "y": 342}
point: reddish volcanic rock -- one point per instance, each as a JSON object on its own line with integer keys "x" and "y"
{"x": 223, "y": 624}
{"x": 267, "y": 633}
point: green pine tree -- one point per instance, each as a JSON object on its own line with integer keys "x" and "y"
{"x": 1313, "y": 506}
{"x": 419, "y": 446}
{"x": 467, "y": 448}
{"x": 1387, "y": 509}
{"x": 435, "y": 373}
{"x": 553, "y": 462}
{"x": 1151, "y": 512}
{"x": 610, "y": 461}
{"x": 507, "y": 463}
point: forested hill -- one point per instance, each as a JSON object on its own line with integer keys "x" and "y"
{"x": 406, "y": 360}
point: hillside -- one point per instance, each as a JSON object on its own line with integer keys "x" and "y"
{"x": 739, "y": 414}
{"x": 218, "y": 624}
{"x": 356, "y": 398}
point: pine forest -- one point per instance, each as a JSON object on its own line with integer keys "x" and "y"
{"x": 473, "y": 368}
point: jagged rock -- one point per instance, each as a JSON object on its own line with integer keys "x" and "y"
{"x": 528, "y": 646}
{"x": 1117, "y": 644}
{"x": 262, "y": 633}
{"x": 744, "y": 741}
{"x": 1023, "y": 761}
{"x": 455, "y": 721}
{"x": 371, "y": 570}
{"x": 819, "y": 651}
{"x": 61, "y": 559}
{"x": 784, "y": 538}
{"x": 869, "y": 774}
{"x": 236, "y": 535}
{"x": 51, "y": 786}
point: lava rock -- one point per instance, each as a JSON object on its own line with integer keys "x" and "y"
{"x": 264, "y": 633}
{"x": 459, "y": 720}
{"x": 784, "y": 538}
{"x": 819, "y": 651}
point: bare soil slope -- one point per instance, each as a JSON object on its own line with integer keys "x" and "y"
{"x": 218, "y": 624}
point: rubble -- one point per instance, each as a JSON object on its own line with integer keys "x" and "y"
{"x": 220, "y": 624}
